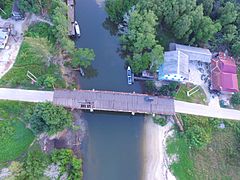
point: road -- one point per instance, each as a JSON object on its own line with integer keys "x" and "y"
{"x": 180, "y": 106}
{"x": 26, "y": 95}
{"x": 203, "y": 110}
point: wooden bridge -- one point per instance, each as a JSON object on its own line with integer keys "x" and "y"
{"x": 113, "y": 101}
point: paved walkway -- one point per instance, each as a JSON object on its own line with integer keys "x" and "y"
{"x": 180, "y": 106}
{"x": 26, "y": 95}
{"x": 203, "y": 110}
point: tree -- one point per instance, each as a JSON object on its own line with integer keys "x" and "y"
{"x": 46, "y": 117}
{"x": 182, "y": 27}
{"x": 235, "y": 99}
{"x": 68, "y": 163}
{"x": 236, "y": 49}
{"x": 83, "y": 57}
{"x": 140, "y": 41}
{"x": 207, "y": 6}
{"x": 228, "y": 14}
{"x": 117, "y": 8}
{"x": 35, "y": 164}
{"x": 229, "y": 33}
{"x": 34, "y": 6}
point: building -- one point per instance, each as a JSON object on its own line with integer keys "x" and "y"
{"x": 194, "y": 53}
{"x": 3, "y": 38}
{"x": 175, "y": 67}
{"x": 224, "y": 74}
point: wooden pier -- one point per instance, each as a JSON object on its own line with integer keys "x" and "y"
{"x": 71, "y": 17}
{"x": 113, "y": 101}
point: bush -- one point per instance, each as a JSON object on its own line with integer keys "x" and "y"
{"x": 68, "y": 163}
{"x": 168, "y": 90}
{"x": 41, "y": 30}
{"x": 160, "y": 120}
{"x": 46, "y": 117}
{"x": 198, "y": 130}
{"x": 235, "y": 99}
{"x": 35, "y": 164}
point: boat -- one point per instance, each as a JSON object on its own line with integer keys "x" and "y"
{"x": 82, "y": 72}
{"x": 129, "y": 75}
{"x": 77, "y": 28}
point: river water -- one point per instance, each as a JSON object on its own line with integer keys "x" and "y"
{"x": 113, "y": 148}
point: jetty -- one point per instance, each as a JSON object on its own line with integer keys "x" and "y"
{"x": 71, "y": 17}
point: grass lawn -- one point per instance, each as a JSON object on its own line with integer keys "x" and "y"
{"x": 15, "y": 137}
{"x": 183, "y": 168}
{"x": 219, "y": 159}
{"x": 34, "y": 56}
{"x": 199, "y": 97}
{"x": 14, "y": 143}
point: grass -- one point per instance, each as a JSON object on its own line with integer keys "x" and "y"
{"x": 34, "y": 56}
{"x": 183, "y": 168}
{"x": 12, "y": 145}
{"x": 15, "y": 137}
{"x": 199, "y": 97}
{"x": 219, "y": 159}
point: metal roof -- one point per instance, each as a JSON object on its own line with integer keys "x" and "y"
{"x": 194, "y": 53}
{"x": 176, "y": 62}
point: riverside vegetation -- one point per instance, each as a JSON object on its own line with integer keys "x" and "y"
{"x": 42, "y": 50}
{"x": 20, "y": 124}
{"x": 146, "y": 27}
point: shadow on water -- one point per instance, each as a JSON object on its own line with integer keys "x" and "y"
{"x": 113, "y": 149}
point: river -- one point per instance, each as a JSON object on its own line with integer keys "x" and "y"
{"x": 113, "y": 147}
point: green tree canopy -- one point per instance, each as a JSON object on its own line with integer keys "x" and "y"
{"x": 235, "y": 99}
{"x": 46, "y": 117}
{"x": 83, "y": 57}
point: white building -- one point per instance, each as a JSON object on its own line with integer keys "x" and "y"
{"x": 175, "y": 67}
{"x": 3, "y": 38}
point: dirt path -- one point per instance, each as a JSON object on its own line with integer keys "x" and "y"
{"x": 154, "y": 153}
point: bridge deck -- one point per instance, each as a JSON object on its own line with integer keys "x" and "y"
{"x": 113, "y": 101}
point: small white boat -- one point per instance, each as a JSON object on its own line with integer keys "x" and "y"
{"x": 77, "y": 28}
{"x": 129, "y": 75}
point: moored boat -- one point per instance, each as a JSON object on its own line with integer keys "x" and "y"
{"x": 77, "y": 28}
{"x": 129, "y": 75}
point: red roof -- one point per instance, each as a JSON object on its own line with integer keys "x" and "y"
{"x": 223, "y": 74}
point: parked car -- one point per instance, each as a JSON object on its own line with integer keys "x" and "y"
{"x": 148, "y": 98}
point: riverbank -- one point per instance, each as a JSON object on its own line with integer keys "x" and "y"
{"x": 155, "y": 165}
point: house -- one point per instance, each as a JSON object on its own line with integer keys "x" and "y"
{"x": 175, "y": 67}
{"x": 224, "y": 74}
{"x": 3, "y": 38}
{"x": 194, "y": 53}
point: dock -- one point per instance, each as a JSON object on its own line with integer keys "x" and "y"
{"x": 71, "y": 17}
{"x": 113, "y": 101}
